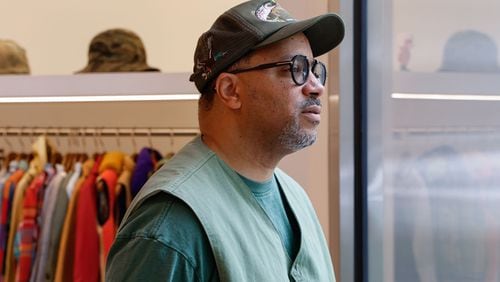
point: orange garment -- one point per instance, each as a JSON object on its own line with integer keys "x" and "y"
{"x": 112, "y": 160}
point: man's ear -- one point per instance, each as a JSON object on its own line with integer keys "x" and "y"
{"x": 225, "y": 87}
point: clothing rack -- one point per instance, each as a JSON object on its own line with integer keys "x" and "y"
{"x": 99, "y": 131}
{"x": 76, "y": 136}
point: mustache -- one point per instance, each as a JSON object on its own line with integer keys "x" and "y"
{"x": 310, "y": 102}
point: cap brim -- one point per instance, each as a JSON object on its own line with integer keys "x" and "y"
{"x": 324, "y": 33}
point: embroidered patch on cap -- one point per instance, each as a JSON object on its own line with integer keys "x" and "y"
{"x": 206, "y": 66}
{"x": 272, "y": 12}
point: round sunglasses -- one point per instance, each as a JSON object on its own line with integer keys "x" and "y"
{"x": 299, "y": 69}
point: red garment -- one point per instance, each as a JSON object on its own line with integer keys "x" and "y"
{"x": 86, "y": 261}
{"x": 28, "y": 229}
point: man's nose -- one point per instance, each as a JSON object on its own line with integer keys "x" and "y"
{"x": 313, "y": 86}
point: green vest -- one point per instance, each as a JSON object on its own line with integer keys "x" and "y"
{"x": 245, "y": 244}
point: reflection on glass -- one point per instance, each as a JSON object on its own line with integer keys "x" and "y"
{"x": 433, "y": 164}
{"x": 446, "y": 206}
{"x": 470, "y": 51}
{"x": 445, "y": 35}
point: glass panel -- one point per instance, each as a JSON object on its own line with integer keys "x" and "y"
{"x": 433, "y": 140}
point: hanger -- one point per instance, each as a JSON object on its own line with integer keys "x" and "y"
{"x": 118, "y": 143}
{"x": 20, "y": 140}
{"x": 6, "y": 139}
{"x": 150, "y": 140}
{"x": 24, "y": 153}
{"x": 84, "y": 153}
{"x": 3, "y": 162}
{"x": 134, "y": 146}
{"x": 70, "y": 155}
{"x": 99, "y": 143}
{"x": 171, "y": 153}
{"x": 11, "y": 156}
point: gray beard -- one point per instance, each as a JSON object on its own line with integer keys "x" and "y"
{"x": 291, "y": 138}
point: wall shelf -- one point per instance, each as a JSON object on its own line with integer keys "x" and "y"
{"x": 128, "y": 86}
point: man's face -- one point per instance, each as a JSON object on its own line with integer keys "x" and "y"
{"x": 274, "y": 107}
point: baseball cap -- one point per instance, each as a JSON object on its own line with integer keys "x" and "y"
{"x": 254, "y": 24}
{"x": 117, "y": 50}
{"x": 13, "y": 58}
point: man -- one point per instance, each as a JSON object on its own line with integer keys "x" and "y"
{"x": 220, "y": 210}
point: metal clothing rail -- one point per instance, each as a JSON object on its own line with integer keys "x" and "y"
{"x": 98, "y": 131}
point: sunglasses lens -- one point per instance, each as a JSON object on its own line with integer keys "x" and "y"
{"x": 300, "y": 69}
{"x": 319, "y": 70}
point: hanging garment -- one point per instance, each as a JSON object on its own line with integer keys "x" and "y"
{"x": 49, "y": 206}
{"x": 28, "y": 230}
{"x": 77, "y": 172}
{"x": 144, "y": 168}
{"x": 111, "y": 166}
{"x": 63, "y": 198}
{"x": 7, "y": 197}
{"x": 122, "y": 191}
{"x": 106, "y": 228}
{"x": 15, "y": 218}
{"x": 86, "y": 260}
{"x": 56, "y": 226}
{"x": 41, "y": 149}
{"x": 66, "y": 253}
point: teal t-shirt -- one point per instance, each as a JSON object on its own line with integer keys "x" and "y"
{"x": 269, "y": 196}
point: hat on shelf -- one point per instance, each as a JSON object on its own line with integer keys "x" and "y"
{"x": 13, "y": 58}
{"x": 117, "y": 50}
{"x": 254, "y": 24}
